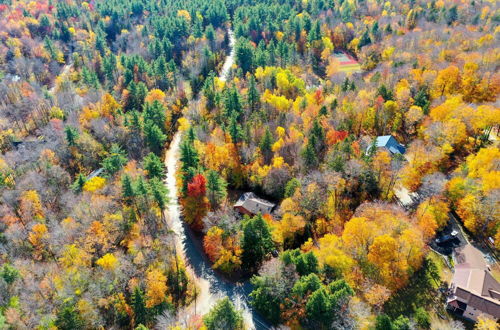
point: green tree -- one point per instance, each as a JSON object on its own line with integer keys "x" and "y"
{"x": 318, "y": 307}
{"x": 155, "y": 113}
{"x": 109, "y": 67}
{"x": 305, "y": 263}
{"x": 209, "y": 91}
{"x": 139, "y": 306}
{"x": 128, "y": 192}
{"x": 232, "y": 103}
{"x": 422, "y": 318}
{"x": 422, "y": 99}
{"x": 244, "y": 55}
{"x": 72, "y": 135}
{"x": 9, "y": 273}
{"x": 257, "y": 241}
{"x": 401, "y": 323}
{"x": 210, "y": 35}
{"x": 224, "y": 316}
{"x": 306, "y": 285}
{"x": 265, "y": 145}
{"x": 315, "y": 33}
{"x": 77, "y": 186}
{"x": 265, "y": 300}
{"x": 189, "y": 156}
{"x": 253, "y": 97}
{"x": 216, "y": 188}
{"x": 154, "y": 137}
{"x": 159, "y": 192}
{"x": 291, "y": 187}
{"x": 309, "y": 156}
{"x": 327, "y": 304}
{"x": 383, "y": 322}
{"x": 142, "y": 187}
{"x": 154, "y": 166}
{"x": 51, "y": 49}
{"x": 191, "y": 135}
{"x": 235, "y": 130}
{"x": 138, "y": 92}
{"x": 68, "y": 317}
{"x": 317, "y": 135}
{"x": 386, "y": 93}
{"x": 452, "y": 15}
{"x": 365, "y": 39}
{"x": 115, "y": 160}
{"x": 90, "y": 78}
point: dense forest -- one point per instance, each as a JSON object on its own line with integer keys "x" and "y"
{"x": 93, "y": 93}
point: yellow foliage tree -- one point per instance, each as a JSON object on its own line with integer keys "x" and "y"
{"x": 156, "y": 287}
{"x": 37, "y": 237}
{"x": 30, "y": 206}
{"x": 447, "y": 82}
{"x": 155, "y": 95}
{"x": 330, "y": 253}
{"x": 94, "y": 184}
{"x": 108, "y": 261}
{"x": 485, "y": 322}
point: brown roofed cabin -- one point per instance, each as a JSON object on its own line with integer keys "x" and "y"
{"x": 473, "y": 291}
{"x": 250, "y": 204}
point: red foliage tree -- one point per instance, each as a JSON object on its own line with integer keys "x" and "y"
{"x": 197, "y": 186}
{"x": 196, "y": 203}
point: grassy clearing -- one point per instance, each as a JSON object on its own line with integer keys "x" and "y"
{"x": 445, "y": 273}
{"x": 350, "y": 68}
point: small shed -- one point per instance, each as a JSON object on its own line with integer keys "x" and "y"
{"x": 250, "y": 204}
{"x": 389, "y": 143}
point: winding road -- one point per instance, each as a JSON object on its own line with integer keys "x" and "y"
{"x": 212, "y": 286}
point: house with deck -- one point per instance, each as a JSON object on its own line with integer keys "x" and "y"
{"x": 473, "y": 290}
{"x": 250, "y": 204}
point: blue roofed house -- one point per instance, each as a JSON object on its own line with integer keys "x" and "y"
{"x": 389, "y": 143}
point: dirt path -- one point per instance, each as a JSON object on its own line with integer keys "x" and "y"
{"x": 212, "y": 286}
{"x": 63, "y": 74}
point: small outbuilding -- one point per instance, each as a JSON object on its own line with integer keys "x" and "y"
{"x": 250, "y": 204}
{"x": 389, "y": 143}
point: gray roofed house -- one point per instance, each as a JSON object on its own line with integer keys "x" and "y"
{"x": 250, "y": 204}
{"x": 389, "y": 143}
{"x": 473, "y": 291}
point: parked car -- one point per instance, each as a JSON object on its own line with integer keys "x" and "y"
{"x": 446, "y": 238}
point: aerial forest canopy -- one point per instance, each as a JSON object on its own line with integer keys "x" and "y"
{"x": 359, "y": 127}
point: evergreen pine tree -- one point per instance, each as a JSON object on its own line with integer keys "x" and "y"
{"x": 257, "y": 241}
{"x": 71, "y": 135}
{"x": 189, "y": 156}
{"x": 253, "y": 94}
{"x": 128, "y": 192}
{"x": 115, "y": 160}
{"x": 79, "y": 182}
{"x": 216, "y": 188}
{"x": 154, "y": 166}
{"x": 309, "y": 155}
{"x": 139, "y": 306}
{"x": 154, "y": 137}
{"x": 266, "y": 144}
{"x": 68, "y": 318}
